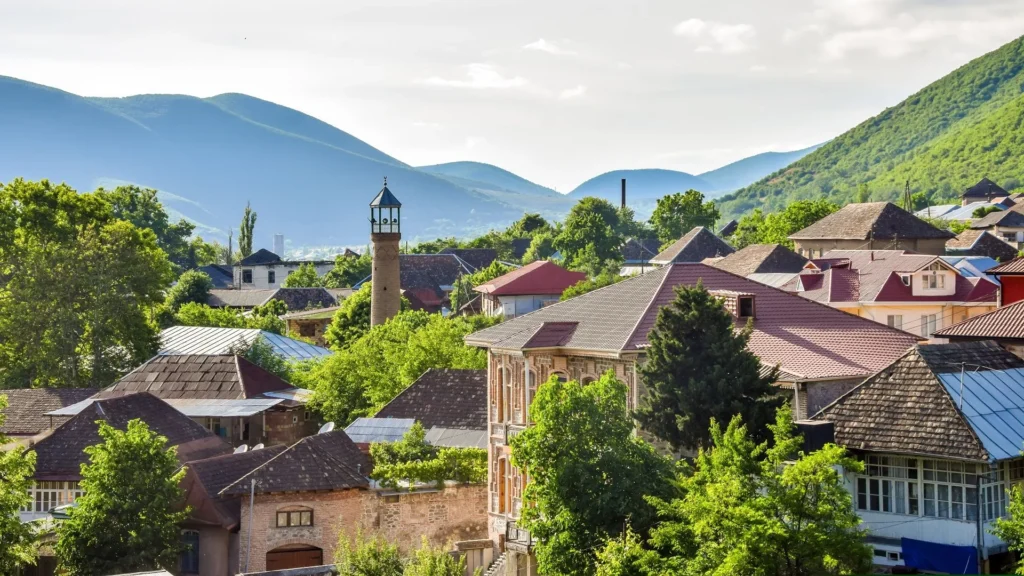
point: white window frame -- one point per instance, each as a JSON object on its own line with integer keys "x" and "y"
{"x": 895, "y": 321}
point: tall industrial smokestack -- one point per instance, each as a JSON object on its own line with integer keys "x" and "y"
{"x": 279, "y": 245}
{"x": 623, "y": 193}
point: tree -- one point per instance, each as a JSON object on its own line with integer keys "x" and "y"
{"x": 412, "y": 460}
{"x": 430, "y": 561}
{"x": 262, "y": 354}
{"x": 245, "y": 232}
{"x": 699, "y": 367}
{"x": 1011, "y": 528}
{"x": 627, "y": 556}
{"x": 17, "y": 540}
{"x": 748, "y": 508}
{"x": 462, "y": 291}
{"x": 500, "y": 242}
{"x": 76, "y": 285}
{"x": 629, "y": 226}
{"x": 591, "y": 222}
{"x": 776, "y": 228}
{"x": 368, "y": 557}
{"x": 541, "y": 248}
{"x": 591, "y": 284}
{"x": 589, "y": 473}
{"x": 192, "y": 286}
{"x": 195, "y": 314}
{"x": 203, "y": 253}
{"x": 127, "y": 519}
{"x": 594, "y": 265}
{"x": 304, "y": 277}
{"x": 348, "y": 271}
{"x": 676, "y": 214}
{"x": 528, "y": 226}
{"x": 142, "y": 208}
{"x": 985, "y": 211}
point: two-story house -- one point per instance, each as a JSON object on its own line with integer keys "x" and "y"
{"x": 526, "y": 289}
{"x": 918, "y": 293}
{"x": 870, "y": 226}
{"x": 821, "y": 353}
{"x": 940, "y": 432}
{"x": 263, "y": 270}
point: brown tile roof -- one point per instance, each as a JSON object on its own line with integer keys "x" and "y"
{"x": 761, "y": 259}
{"x": 1011, "y": 218}
{"x": 1006, "y": 323}
{"x": 981, "y": 243}
{"x": 198, "y": 377}
{"x": 541, "y": 278}
{"x": 635, "y": 251}
{"x": 26, "y": 408}
{"x": 904, "y": 408}
{"x": 694, "y": 246}
{"x": 294, "y": 298}
{"x": 446, "y": 398}
{"x": 1015, "y": 266}
{"x": 326, "y": 461}
{"x": 239, "y": 298}
{"x": 477, "y": 258}
{"x": 808, "y": 339}
{"x": 427, "y": 275}
{"x": 985, "y": 188}
{"x": 215, "y": 474}
{"x": 728, "y": 229}
{"x": 60, "y": 454}
{"x": 874, "y": 220}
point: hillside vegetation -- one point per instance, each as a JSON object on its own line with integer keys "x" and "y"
{"x": 943, "y": 139}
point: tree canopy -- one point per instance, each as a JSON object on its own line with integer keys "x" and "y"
{"x": 775, "y": 228}
{"x": 589, "y": 233}
{"x": 462, "y": 291}
{"x": 245, "y": 231}
{"x": 192, "y": 286}
{"x": 352, "y": 319}
{"x": 76, "y": 285}
{"x": 17, "y": 539}
{"x": 677, "y": 214}
{"x": 127, "y": 519}
{"x": 304, "y": 277}
{"x": 698, "y": 368}
{"x": 348, "y": 271}
{"x": 264, "y": 317}
{"x": 589, "y": 473}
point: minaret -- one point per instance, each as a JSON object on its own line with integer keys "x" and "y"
{"x": 385, "y": 234}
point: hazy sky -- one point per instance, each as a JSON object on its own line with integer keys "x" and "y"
{"x": 556, "y": 91}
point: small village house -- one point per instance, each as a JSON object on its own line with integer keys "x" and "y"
{"x": 637, "y": 254}
{"x": 984, "y": 191}
{"x": 27, "y": 409}
{"x": 973, "y": 242}
{"x": 1006, "y": 224}
{"x": 294, "y": 299}
{"x": 771, "y": 264}
{"x": 940, "y": 433}
{"x": 310, "y": 324}
{"x": 1011, "y": 278}
{"x": 1004, "y": 326}
{"x": 264, "y": 269}
{"x": 696, "y": 245}
{"x": 870, "y": 226}
{"x": 821, "y": 354}
{"x": 526, "y": 289}
{"x": 918, "y": 293}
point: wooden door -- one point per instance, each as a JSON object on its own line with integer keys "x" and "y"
{"x": 284, "y": 559}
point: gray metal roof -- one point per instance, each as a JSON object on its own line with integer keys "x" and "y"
{"x": 196, "y": 407}
{"x": 385, "y": 198}
{"x": 773, "y": 279}
{"x": 184, "y": 340}
{"x": 369, "y": 430}
{"x": 993, "y": 404}
{"x": 454, "y": 438}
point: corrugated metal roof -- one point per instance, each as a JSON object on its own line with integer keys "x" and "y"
{"x": 368, "y": 430}
{"x": 184, "y": 340}
{"x": 993, "y": 404}
{"x": 197, "y": 407}
{"x": 454, "y": 438}
{"x": 773, "y": 279}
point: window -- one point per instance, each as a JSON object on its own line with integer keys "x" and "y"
{"x": 890, "y": 485}
{"x": 247, "y": 276}
{"x": 895, "y": 321}
{"x": 190, "y": 553}
{"x": 929, "y": 324}
{"x": 293, "y": 518}
{"x": 1016, "y": 469}
{"x": 950, "y": 490}
{"x": 906, "y": 279}
{"x": 48, "y": 495}
{"x": 746, "y": 306}
{"x": 307, "y": 416}
{"x": 307, "y": 329}
{"x": 271, "y": 277}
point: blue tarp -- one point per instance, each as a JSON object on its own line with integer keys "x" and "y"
{"x": 940, "y": 557}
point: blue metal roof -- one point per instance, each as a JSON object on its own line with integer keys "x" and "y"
{"x": 369, "y": 430}
{"x": 993, "y": 404}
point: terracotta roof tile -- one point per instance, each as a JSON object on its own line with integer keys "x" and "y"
{"x": 877, "y": 220}
{"x": 1015, "y": 266}
{"x": 446, "y": 398}
{"x": 541, "y": 277}
{"x": 1002, "y": 323}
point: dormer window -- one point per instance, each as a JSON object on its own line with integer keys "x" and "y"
{"x": 906, "y": 279}
{"x": 934, "y": 281}
{"x": 746, "y": 307}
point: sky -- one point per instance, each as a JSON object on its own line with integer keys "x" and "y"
{"x": 557, "y": 91}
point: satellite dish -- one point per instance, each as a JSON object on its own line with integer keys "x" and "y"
{"x": 241, "y": 449}
{"x": 258, "y": 446}
{"x": 326, "y": 428}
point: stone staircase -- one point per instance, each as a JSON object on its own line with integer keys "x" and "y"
{"x": 498, "y": 566}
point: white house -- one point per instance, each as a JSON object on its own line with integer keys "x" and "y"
{"x": 263, "y": 269}
{"x": 526, "y": 289}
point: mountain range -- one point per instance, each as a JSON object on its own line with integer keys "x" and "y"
{"x": 943, "y": 139}
{"x": 304, "y": 178}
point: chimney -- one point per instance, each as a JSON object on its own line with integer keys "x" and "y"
{"x": 279, "y": 245}
{"x": 623, "y": 193}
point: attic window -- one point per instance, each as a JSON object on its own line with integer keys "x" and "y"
{"x": 746, "y": 306}
{"x": 906, "y": 279}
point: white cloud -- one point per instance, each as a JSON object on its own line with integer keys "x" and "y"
{"x": 543, "y": 45}
{"x": 479, "y": 77}
{"x": 570, "y": 93}
{"x": 717, "y": 36}
{"x": 758, "y": 68}
{"x": 475, "y": 141}
{"x": 429, "y": 125}
{"x": 791, "y": 35}
{"x": 910, "y": 36}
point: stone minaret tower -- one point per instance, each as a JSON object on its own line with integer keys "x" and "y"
{"x": 385, "y": 234}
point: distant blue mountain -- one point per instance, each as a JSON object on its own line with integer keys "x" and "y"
{"x": 304, "y": 178}
{"x": 480, "y": 175}
{"x": 643, "y": 184}
{"x": 749, "y": 170}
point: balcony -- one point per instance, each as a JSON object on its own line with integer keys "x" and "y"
{"x": 516, "y": 538}
{"x": 511, "y": 431}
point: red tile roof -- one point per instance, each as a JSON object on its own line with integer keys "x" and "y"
{"x": 541, "y": 277}
{"x": 1015, "y": 266}
{"x": 1000, "y": 324}
{"x": 808, "y": 340}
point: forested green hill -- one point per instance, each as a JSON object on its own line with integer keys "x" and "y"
{"x": 943, "y": 139}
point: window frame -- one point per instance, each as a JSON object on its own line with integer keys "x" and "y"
{"x": 271, "y": 277}
{"x": 247, "y": 273}
{"x": 294, "y": 518}
{"x": 189, "y": 554}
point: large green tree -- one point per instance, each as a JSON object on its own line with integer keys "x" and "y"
{"x": 142, "y": 207}
{"x": 676, "y": 214}
{"x": 590, "y": 230}
{"x": 698, "y": 368}
{"x": 589, "y": 473}
{"x": 76, "y": 287}
{"x": 192, "y": 286}
{"x": 761, "y": 508}
{"x": 462, "y": 291}
{"x": 775, "y": 228}
{"x": 528, "y": 226}
{"x": 541, "y": 248}
{"x": 262, "y": 318}
{"x": 352, "y": 319}
{"x": 127, "y": 519}
{"x": 245, "y": 230}
{"x": 304, "y": 277}
{"x": 348, "y": 271}
{"x": 17, "y": 540}
{"x": 1011, "y": 528}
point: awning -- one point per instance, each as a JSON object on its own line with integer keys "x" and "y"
{"x": 936, "y": 557}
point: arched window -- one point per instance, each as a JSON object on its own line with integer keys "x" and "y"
{"x": 190, "y": 552}
{"x": 562, "y": 376}
{"x": 588, "y": 380}
{"x": 292, "y": 516}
